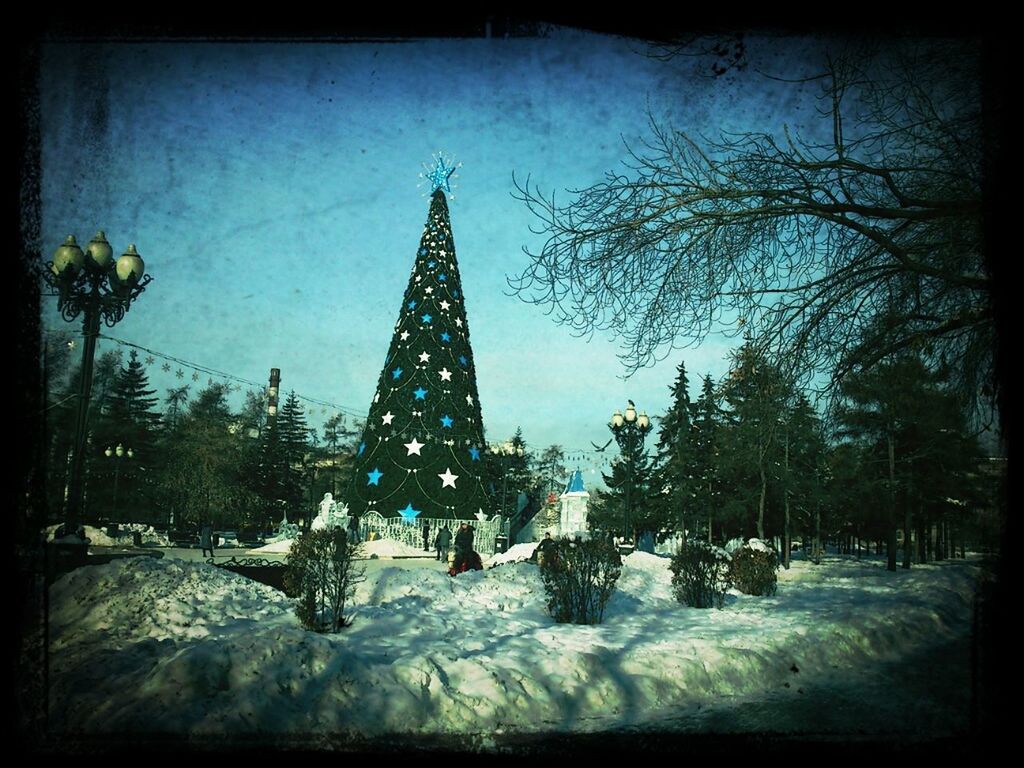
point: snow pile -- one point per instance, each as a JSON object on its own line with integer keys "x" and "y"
{"x": 282, "y": 547}
{"x": 148, "y": 645}
{"x": 385, "y": 548}
{"x": 97, "y": 537}
{"x": 758, "y": 546}
{"x": 515, "y": 554}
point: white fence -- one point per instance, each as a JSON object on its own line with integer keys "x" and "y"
{"x": 410, "y": 532}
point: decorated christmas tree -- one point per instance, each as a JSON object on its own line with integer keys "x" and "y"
{"x": 422, "y": 451}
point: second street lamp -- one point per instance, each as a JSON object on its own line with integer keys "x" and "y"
{"x": 117, "y": 454}
{"x": 629, "y": 429}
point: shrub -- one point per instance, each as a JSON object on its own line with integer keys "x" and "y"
{"x": 579, "y": 578}
{"x": 753, "y": 570}
{"x": 322, "y": 571}
{"x": 700, "y": 575}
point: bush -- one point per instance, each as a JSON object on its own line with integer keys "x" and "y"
{"x": 753, "y": 570}
{"x": 579, "y": 578}
{"x": 700, "y": 575}
{"x": 322, "y": 571}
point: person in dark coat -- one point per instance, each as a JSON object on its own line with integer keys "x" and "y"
{"x": 544, "y": 549}
{"x": 442, "y": 542}
{"x": 426, "y": 537}
{"x": 463, "y": 546}
{"x": 206, "y": 539}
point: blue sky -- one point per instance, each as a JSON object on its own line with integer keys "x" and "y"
{"x": 273, "y": 191}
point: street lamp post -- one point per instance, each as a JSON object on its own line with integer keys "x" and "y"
{"x": 96, "y": 287}
{"x": 629, "y": 429}
{"x": 117, "y": 454}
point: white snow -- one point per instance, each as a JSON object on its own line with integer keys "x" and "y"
{"x": 514, "y": 554}
{"x": 385, "y": 548}
{"x": 144, "y": 645}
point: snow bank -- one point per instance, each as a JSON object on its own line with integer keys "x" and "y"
{"x": 514, "y": 554}
{"x": 385, "y": 548}
{"x": 149, "y": 645}
{"x": 97, "y": 538}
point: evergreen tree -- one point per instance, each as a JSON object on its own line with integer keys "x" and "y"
{"x": 707, "y": 422}
{"x": 422, "y": 451}
{"x": 293, "y": 436}
{"x": 551, "y": 471}
{"x": 645, "y": 514}
{"x": 675, "y": 478}
{"x": 131, "y": 420}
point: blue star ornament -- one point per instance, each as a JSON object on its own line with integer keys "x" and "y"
{"x": 445, "y": 336}
{"x": 446, "y": 421}
{"x": 397, "y": 373}
{"x": 421, "y": 393}
{"x": 411, "y": 305}
{"x": 409, "y": 513}
{"x": 441, "y": 176}
{"x": 474, "y": 453}
{"x": 426, "y": 318}
{"x": 463, "y": 360}
{"x": 362, "y": 447}
{"x": 374, "y": 477}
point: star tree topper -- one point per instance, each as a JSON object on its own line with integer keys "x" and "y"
{"x": 440, "y": 175}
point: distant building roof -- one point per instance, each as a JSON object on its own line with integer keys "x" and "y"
{"x": 575, "y": 484}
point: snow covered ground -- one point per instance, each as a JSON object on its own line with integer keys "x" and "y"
{"x": 386, "y": 548}
{"x": 169, "y": 646}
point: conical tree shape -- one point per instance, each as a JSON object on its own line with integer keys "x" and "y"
{"x": 422, "y": 452}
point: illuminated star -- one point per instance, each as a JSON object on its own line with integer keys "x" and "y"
{"x": 474, "y": 453}
{"x": 441, "y": 175}
{"x": 409, "y": 513}
{"x": 448, "y": 479}
{"x": 424, "y": 357}
{"x": 445, "y": 305}
{"x": 426, "y": 318}
{"x": 431, "y": 264}
{"x": 463, "y": 360}
{"x": 414, "y": 447}
{"x": 428, "y": 289}
{"x": 403, "y": 335}
{"x": 411, "y": 305}
{"x": 446, "y": 421}
{"x": 446, "y": 375}
{"x": 421, "y": 393}
{"x": 469, "y": 399}
{"x": 423, "y": 251}
{"x": 441, "y": 253}
{"x": 387, "y": 417}
{"x": 458, "y": 322}
{"x": 445, "y": 336}
{"x": 71, "y": 344}
{"x": 396, "y": 374}
{"x": 374, "y": 476}
{"x": 441, "y": 278}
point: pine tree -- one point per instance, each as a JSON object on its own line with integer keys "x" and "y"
{"x": 422, "y": 451}
{"x": 645, "y": 513}
{"x": 707, "y": 422}
{"x": 675, "y": 480}
{"x": 293, "y": 435}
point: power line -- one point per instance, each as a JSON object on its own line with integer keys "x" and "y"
{"x": 199, "y": 367}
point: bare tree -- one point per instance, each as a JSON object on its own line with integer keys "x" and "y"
{"x": 836, "y": 252}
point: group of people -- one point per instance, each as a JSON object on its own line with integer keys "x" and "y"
{"x": 464, "y": 558}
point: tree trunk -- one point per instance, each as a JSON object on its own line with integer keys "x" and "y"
{"x": 922, "y": 549}
{"x": 761, "y": 500}
{"x": 907, "y": 522}
{"x": 891, "y": 543}
{"x": 817, "y": 534}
